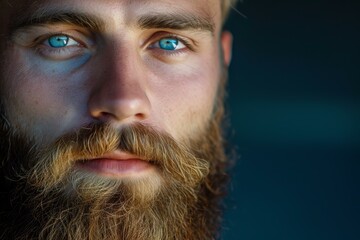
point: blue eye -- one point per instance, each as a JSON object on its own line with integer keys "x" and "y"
{"x": 168, "y": 44}
{"x": 61, "y": 46}
{"x": 58, "y": 41}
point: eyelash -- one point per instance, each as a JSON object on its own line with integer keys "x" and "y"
{"x": 177, "y": 37}
{"x": 57, "y": 53}
{"x": 73, "y": 51}
{"x": 166, "y": 53}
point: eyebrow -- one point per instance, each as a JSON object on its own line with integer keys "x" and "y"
{"x": 178, "y": 21}
{"x": 73, "y": 18}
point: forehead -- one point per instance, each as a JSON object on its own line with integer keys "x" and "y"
{"x": 122, "y": 10}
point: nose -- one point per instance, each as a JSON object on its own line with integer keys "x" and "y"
{"x": 119, "y": 93}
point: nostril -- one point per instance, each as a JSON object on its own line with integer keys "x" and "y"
{"x": 140, "y": 116}
{"x": 106, "y": 116}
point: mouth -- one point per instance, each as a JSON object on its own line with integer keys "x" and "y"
{"x": 117, "y": 164}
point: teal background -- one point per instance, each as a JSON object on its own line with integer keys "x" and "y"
{"x": 293, "y": 103}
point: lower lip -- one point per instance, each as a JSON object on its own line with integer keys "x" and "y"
{"x": 117, "y": 168}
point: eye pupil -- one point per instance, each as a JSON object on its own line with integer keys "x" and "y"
{"x": 58, "y": 41}
{"x": 168, "y": 43}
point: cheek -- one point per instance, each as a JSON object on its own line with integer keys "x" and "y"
{"x": 186, "y": 96}
{"x": 31, "y": 104}
{"x": 35, "y": 96}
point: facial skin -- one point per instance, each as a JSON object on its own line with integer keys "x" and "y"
{"x": 119, "y": 74}
{"x": 73, "y": 64}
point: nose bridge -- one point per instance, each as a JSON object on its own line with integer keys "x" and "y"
{"x": 123, "y": 72}
{"x": 120, "y": 92}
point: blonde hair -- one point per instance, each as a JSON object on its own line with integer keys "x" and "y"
{"x": 226, "y": 5}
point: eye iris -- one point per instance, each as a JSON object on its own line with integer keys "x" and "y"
{"x": 168, "y": 43}
{"x": 58, "y": 41}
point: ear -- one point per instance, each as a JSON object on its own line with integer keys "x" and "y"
{"x": 226, "y": 44}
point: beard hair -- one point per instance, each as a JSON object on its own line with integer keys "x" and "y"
{"x": 50, "y": 199}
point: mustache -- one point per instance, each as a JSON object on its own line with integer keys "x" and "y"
{"x": 53, "y": 163}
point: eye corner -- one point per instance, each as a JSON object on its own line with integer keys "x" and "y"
{"x": 59, "y": 46}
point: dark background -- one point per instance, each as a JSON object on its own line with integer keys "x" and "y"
{"x": 293, "y": 102}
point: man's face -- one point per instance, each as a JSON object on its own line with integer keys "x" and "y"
{"x": 144, "y": 61}
{"x": 73, "y": 64}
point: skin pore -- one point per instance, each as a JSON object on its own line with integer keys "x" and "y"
{"x": 109, "y": 110}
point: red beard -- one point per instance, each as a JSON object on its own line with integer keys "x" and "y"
{"x": 52, "y": 200}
